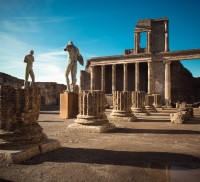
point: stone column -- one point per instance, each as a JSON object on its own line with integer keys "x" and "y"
{"x": 91, "y": 117}
{"x": 92, "y": 81}
{"x": 125, "y": 78}
{"x": 137, "y": 41}
{"x": 149, "y": 100}
{"x": 122, "y": 107}
{"x": 157, "y": 100}
{"x": 167, "y": 84}
{"x": 138, "y": 103}
{"x": 137, "y": 77}
{"x": 166, "y": 37}
{"x": 149, "y": 77}
{"x": 103, "y": 77}
{"x": 148, "y": 42}
{"x": 113, "y": 77}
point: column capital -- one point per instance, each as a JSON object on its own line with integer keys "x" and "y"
{"x": 167, "y": 62}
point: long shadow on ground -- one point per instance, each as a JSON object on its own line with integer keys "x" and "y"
{"x": 122, "y": 158}
{"x": 153, "y": 131}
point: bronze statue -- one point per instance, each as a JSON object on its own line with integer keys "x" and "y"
{"x": 29, "y": 59}
{"x": 73, "y": 57}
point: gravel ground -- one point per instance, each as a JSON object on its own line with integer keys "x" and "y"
{"x": 149, "y": 149}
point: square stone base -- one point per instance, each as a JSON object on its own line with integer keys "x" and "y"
{"x": 75, "y": 127}
{"x": 68, "y": 105}
{"x": 17, "y": 154}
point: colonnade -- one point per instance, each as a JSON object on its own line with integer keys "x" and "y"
{"x": 150, "y": 78}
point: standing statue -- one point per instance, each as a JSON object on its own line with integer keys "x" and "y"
{"x": 29, "y": 59}
{"x": 73, "y": 57}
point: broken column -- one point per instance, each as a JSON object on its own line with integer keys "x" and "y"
{"x": 91, "y": 117}
{"x": 21, "y": 137}
{"x": 157, "y": 101}
{"x": 149, "y": 100}
{"x": 122, "y": 107}
{"x": 138, "y": 103}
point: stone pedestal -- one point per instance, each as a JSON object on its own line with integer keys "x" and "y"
{"x": 138, "y": 103}
{"x": 122, "y": 107}
{"x": 157, "y": 100}
{"x": 19, "y": 130}
{"x": 149, "y": 100}
{"x": 68, "y": 105}
{"x": 91, "y": 117}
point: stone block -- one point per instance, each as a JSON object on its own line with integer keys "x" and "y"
{"x": 178, "y": 118}
{"x": 75, "y": 127}
{"x": 68, "y": 105}
{"x": 13, "y": 154}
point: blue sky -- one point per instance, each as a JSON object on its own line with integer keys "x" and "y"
{"x": 97, "y": 28}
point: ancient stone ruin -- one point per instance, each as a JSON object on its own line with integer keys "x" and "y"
{"x": 153, "y": 69}
{"x": 50, "y": 91}
{"x": 91, "y": 117}
{"x": 21, "y": 137}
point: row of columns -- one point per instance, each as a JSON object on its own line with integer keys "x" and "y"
{"x": 137, "y": 79}
{"x": 125, "y": 83}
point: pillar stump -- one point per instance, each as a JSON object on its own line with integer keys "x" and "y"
{"x": 91, "y": 117}
{"x": 149, "y": 100}
{"x": 138, "y": 103}
{"x": 122, "y": 107}
{"x": 68, "y": 105}
{"x": 21, "y": 137}
{"x": 157, "y": 100}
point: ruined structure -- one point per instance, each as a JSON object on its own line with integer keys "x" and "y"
{"x": 122, "y": 103}
{"x": 19, "y": 112}
{"x": 21, "y": 137}
{"x": 91, "y": 117}
{"x": 147, "y": 69}
{"x": 50, "y": 91}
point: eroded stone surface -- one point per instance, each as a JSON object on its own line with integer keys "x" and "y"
{"x": 122, "y": 107}
{"x": 91, "y": 113}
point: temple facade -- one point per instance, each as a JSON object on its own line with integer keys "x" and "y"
{"x": 140, "y": 69}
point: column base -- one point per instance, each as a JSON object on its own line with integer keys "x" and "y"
{"x": 140, "y": 112}
{"x": 91, "y": 120}
{"x": 28, "y": 134}
{"x": 81, "y": 128}
{"x": 150, "y": 109}
{"x": 126, "y": 116}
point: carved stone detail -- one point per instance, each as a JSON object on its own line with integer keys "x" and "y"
{"x": 122, "y": 106}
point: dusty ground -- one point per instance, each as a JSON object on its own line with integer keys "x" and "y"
{"x": 146, "y": 150}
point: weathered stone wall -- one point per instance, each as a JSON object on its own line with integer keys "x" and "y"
{"x": 159, "y": 77}
{"x": 85, "y": 80}
{"x": 50, "y": 91}
{"x": 197, "y": 89}
{"x": 183, "y": 85}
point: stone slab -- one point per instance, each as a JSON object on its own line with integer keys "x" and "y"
{"x": 68, "y": 105}
{"x": 17, "y": 154}
{"x": 75, "y": 127}
{"x": 123, "y": 119}
{"x": 141, "y": 114}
